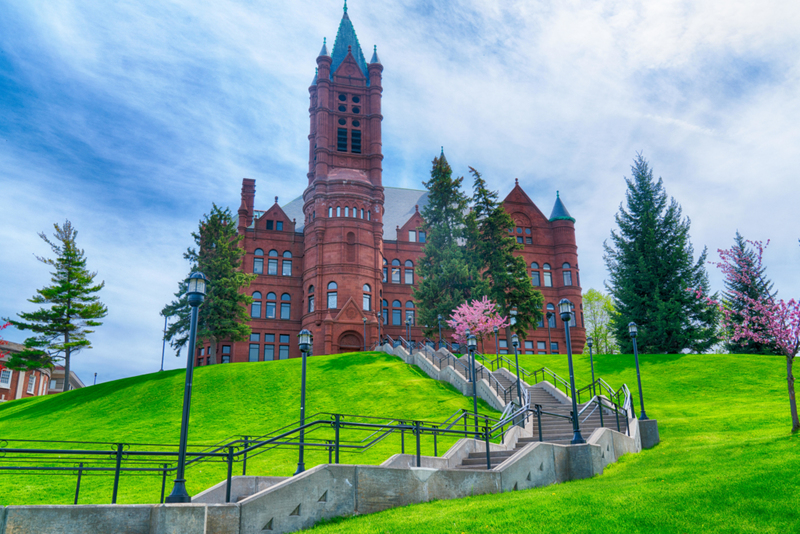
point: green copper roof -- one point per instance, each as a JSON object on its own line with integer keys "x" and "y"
{"x": 560, "y": 212}
{"x": 346, "y": 37}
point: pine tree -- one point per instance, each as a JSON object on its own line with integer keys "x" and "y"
{"x": 490, "y": 249}
{"x": 223, "y": 314}
{"x": 446, "y": 279}
{"x": 71, "y": 308}
{"x": 651, "y": 266}
{"x": 746, "y": 282}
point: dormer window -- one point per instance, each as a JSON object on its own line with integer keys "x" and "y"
{"x": 269, "y": 225}
{"x": 422, "y": 236}
{"x": 279, "y": 226}
{"x": 412, "y": 236}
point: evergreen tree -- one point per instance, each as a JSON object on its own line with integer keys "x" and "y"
{"x": 446, "y": 279}
{"x": 490, "y": 249}
{"x": 746, "y": 282}
{"x": 651, "y": 266}
{"x": 71, "y": 308}
{"x": 223, "y": 314}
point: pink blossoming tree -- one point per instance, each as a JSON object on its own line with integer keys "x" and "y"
{"x": 479, "y": 317}
{"x": 763, "y": 321}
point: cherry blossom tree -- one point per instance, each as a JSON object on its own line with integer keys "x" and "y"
{"x": 480, "y": 317}
{"x": 768, "y": 320}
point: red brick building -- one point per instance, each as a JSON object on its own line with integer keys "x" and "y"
{"x": 21, "y": 384}
{"x": 343, "y": 255}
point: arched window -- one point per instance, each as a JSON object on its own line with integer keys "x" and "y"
{"x": 409, "y": 272}
{"x": 385, "y": 311}
{"x": 346, "y": 211}
{"x": 385, "y": 271}
{"x": 310, "y": 299}
{"x": 548, "y": 276}
{"x": 551, "y": 315}
{"x": 397, "y": 313}
{"x": 567, "y": 275}
{"x": 271, "y": 297}
{"x": 536, "y": 277}
{"x": 255, "y": 307}
{"x": 258, "y": 252}
{"x": 333, "y": 300}
{"x": 362, "y": 213}
{"x": 287, "y": 264}
{"x": 534, "y": 265}
{"x": 366, "y": 304}
{"x": 273, "y": 253}
{"x": 369, "y": 217}
{"x": 410, "y": 312}
{"x": 338, "y": 211}
{"x": 286, "y": 307}
{"x": 395, "y": 271}
{"x": 330, "y": 211}
{"x": 258, "y": 263}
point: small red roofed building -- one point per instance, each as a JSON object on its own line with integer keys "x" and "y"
{"x": 20, "y": 384}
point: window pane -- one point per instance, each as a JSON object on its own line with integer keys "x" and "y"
{"x": 554, "y": 347}
{"x": 270, "y": 310}
{"x": 528, "y": 241}
{"x": 395, "y": 275}
{"x": 410, "y": 315}
{"x": 269, "y": 338}
{"x": 332, "y": 285}
{"x": 541, "y": 345}
{"x": 253, "y": 356}
{"x": 284, "y": 352}
{"x": 341, "y": 140}
{"x": 258, "y": 265}
{"x": 255, "y": 337}
{"x": 396, "y": 317}
{"x": 279, "y": 225}
{"x": 269, "y": 225}
{"x": 362, "y": 213}
{"x": 412, "y": 236}
{"x": 535, "y": 279}
{"x": 226, "y": 349}
{"x": 285, "y": 310}
{"x": 422, "y": 237}
{"x": 567, "y": 278}
{"x": 286, "y": 296}
{"x": 332, "y": 300}
{"x": 255, "y": 309}
{"x": 310, "y": 304}
{"x": 272, "y": 267}
{"x": 367, "y": 302}
{"x": 346, "y": 211}
{"x": 284, "y": 338}
{"x": 385, "y": 314}
{"x": 548, "y": 279}
{"x": 269, "y": 353}
{"x": 519, "y": 239}
{"x": 503, "y": 344}
{"x": 529, "y": 344}
{"x": 409, "y": 276}
{"x": 355, "y": 139}
{"x": 273, "y": 253}
{"x": 385, "y": 275}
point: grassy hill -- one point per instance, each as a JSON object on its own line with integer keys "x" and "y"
{"x": 727, "y": 461}
{"x": 239, "y": 399}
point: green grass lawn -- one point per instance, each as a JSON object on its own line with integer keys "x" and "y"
{"x": 727, "y": 461}
{"x": 239, "y": 399}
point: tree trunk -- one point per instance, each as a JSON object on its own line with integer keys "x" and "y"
{"x": 792, "y": 399}
{"x": 67, "y": 351}
{"x": 213, "y": 350}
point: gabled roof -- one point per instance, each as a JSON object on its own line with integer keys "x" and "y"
{"x": 346, "y": 37}
{"x": 560, "y": 212}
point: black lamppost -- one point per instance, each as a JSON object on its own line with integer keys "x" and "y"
{"x": 496, "y": 349}
{"x": 439, "y": 320}
{"x": 380, "y": 322}
{"x": 515, "y": 344}
{"x": 549, "y": 341}
{"x": 304, "y": 339}
{"x": 408, "y": 335}
{"x": 565, "y": 308}
{"x": 365, "y": 333}
{"x": 589, "y": 342}
{"x": 472, "y": 345}
{"x": 633, "y": 329}
{"x": 195, "y": 293}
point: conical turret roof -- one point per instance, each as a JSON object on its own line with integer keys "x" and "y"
{"x": 346, "y": 37}
{"x": 560, "y": 212}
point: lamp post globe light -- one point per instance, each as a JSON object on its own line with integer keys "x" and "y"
{"x": 496, "y": 349}
{"x": 365, "y": 333}
{"x": 565, "y": 309}
{"x": 633, "y": 330}
{"x": 472, "y": 345}
{"x": 590, "y": 342}
{"x": 515, "y": 344}
{"x": 304, "y": 341}
{"x": 195, "y": 293}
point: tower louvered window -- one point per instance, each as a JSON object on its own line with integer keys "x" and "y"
{"x": 341, "y": 140}
{"x": 355, "y": 144}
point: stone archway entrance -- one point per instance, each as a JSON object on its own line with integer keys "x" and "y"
{"x": 351, "y": 342}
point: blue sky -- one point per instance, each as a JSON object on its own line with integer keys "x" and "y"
{"x": 131, "y": 118}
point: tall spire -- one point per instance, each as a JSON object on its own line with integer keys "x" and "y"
{"x": 375, "y": 58}
{"x": 324, "y": 51}
{"x": 560, "y": 212}
{"x": 346, "y": 37}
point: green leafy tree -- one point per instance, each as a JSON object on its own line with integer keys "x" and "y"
{"x": 598, "y": 310}
{"x": 491, "y": 249}
{"x": 746, "y": 284}
{"x": 446, "y": 279}
{"x": 223, "y": 314}
{"x": 651, "y": 265}
{"x": 70, "y": 308}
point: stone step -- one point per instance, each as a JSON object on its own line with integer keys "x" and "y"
{"x": 492, "y": 453}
